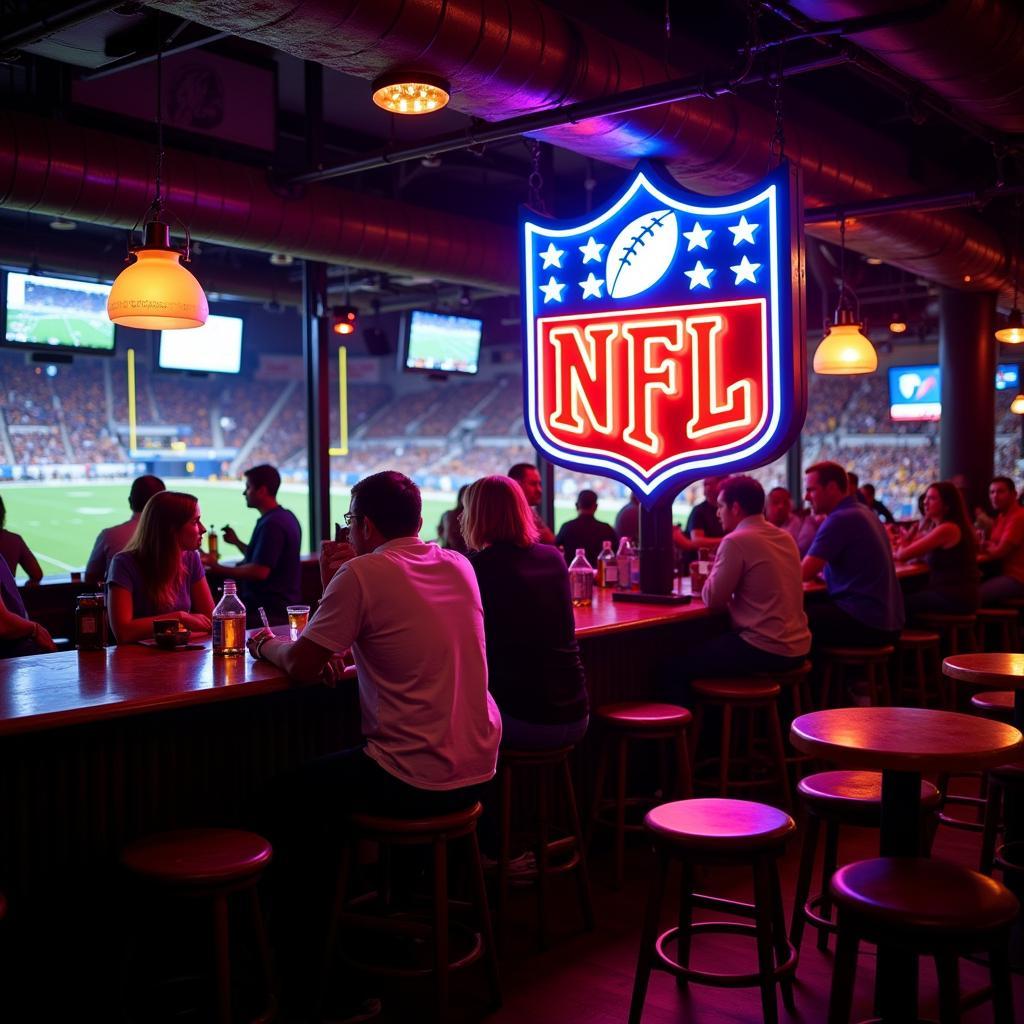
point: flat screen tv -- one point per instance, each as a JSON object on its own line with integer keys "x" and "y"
{"x": 57, "y": 314}
{"x": 915, "y": 392}
{"x": 441, "y": 343}
{"x": 1007, "y": 376}
{"x": 216, "y": 347}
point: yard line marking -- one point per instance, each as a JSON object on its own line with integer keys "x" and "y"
{"x": 56, "y": 562}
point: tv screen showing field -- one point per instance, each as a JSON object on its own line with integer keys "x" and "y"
{"x": 57, "y": 313}
{"x": 216, "y": 347}
{"x": 449, "y": 344}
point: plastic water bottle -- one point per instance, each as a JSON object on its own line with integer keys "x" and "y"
{"x": 229, "y": 623}
{"x": 624, "y": 558}
{"x": 607, "y": 567}
{"x": 581, "y": 580}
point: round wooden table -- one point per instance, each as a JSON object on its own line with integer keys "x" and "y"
{"x": 903, "y": 743}
{"x": 993, "y": 671}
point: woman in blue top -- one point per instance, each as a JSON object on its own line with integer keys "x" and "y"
{"x": 159, "y": 575}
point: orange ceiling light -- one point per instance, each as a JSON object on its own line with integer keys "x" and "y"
{"x": 344, "y": 319}
{"x": 411, "y": 92}
{"x": 155, "y": 292}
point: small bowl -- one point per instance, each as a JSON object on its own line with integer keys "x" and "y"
{"x": 168, "y": 640}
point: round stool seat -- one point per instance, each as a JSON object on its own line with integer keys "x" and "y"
{"x": 788, "y": 676}
{"x": 994, "y": 702}
{"x": 912, "y": 638}
{"x": 949, "y": 618}
{"x": 859, "y": 653}
{"x": 455, "y": 823}
{"x": 719, "y": 824}
{"x": 997, "y": 614}
{"x": 737, "y": 689}
{"x": 854, "y": 793}
{"x": 534, "y": 757}
{"x": 198, "y": 856}
{"x": 644, "y": 715}
{"x": 1012, "y": 772}
{"x": 919, "y": 894}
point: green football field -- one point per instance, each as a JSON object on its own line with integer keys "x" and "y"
{"x": 60, "y": 521}
{"x": 43, "y": 328}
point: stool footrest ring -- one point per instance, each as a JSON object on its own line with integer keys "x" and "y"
{"x": 667, "y": 963}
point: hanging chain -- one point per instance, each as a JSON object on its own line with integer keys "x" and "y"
{"x": 535, "y": 197}
{"x": 1016, "y": 253}
{"x": 842, "y": 258}
{"x": 777, "y": 146}
{"x": 159, "y": 201}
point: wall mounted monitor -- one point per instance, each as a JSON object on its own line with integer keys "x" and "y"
{"x": 1007, "y": 377}
{"x": 441, "y": 343}
{"x": 915, "y": 392}
{"x": 216, "y": 347}
{"x": 56, "y": 314}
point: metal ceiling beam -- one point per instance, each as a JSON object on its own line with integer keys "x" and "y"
{"x": 675, "y": 91}
{"x": 43, "y": 25}
{"x": 908, "y": 203}
{"x": 136, "y": 61}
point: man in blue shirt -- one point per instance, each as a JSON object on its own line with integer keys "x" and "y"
{"x": 270, "y": 574}
{"x": 865, "y": 604}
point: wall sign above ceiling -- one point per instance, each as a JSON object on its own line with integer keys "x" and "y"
{"x": 664, "y": 334}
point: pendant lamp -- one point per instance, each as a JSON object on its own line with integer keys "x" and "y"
{"x": 155, "y": 292}
{"x": 1017, "y": 405}
{"x": 845, "y": 349}
{"x": 1012, "y": 333}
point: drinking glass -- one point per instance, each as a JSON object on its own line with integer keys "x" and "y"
{"x": 298, "y": 616}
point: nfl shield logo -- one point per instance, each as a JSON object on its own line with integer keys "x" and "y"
{"x": 664, "y": 334}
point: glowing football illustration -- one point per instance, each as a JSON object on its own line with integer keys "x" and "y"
{"x": 641, "y": 253}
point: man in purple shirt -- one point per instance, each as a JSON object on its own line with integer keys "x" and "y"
{"x": 865, "y": 604}
{"x": 113, "y": 539}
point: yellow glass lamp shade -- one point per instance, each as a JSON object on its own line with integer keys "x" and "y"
{"x": 845, "y": 350}
{"x": 1017, "y": 405}
{"x": 1013, "y": 332}
{"x": 411, "y": 92}
{"x": 155, "y": 292}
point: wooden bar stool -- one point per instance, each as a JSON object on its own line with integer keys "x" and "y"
{"x": 996, "y": 629}
{"x": 1001, "y": 780}
{"x": 995, "y": 704}
{"x": 795, "y": 682}
{"x": 838, "y": 798}
{"x": 554, "y": 856}
{"x": 923, "y": 648}
{"x": 926, "y": 907}
{"x": 210, "y": 864}
{"x": 959, "y": 632}
{"x": 709, "y": 833}
{"x": 375, "y": 913}
{"x": 623, "y": 724}
{"x": 751, "y": 697}
{"x": 873, "y": 660}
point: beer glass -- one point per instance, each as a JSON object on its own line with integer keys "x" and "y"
{"x": 298, "y": 616}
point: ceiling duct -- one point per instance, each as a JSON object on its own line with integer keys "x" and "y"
{"x": 969, "y": 52}
{"x": 68, "y": 171}
{"x": 511, "y": 58}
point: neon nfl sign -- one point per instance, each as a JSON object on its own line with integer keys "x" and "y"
{"x": 664, "y": 334}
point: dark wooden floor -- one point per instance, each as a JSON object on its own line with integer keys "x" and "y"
{"x": 588, "y": 977}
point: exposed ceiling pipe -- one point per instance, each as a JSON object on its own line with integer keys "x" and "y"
{"x": 39, "y": 26}
{"x": 65, "y": 170}
{"x": 522, "y": 56}
{"x": 967, "y": 51}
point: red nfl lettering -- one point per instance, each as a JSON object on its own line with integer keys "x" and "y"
{"x": 650, "y": 385}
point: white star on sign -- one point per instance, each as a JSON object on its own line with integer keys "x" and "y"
{"x": 700, "y": 275}
{"x": 743, "y": 232}
{"x": 592, "y": 286}
{"x": 552, "y": 290}
{"x": 698, "y": 236}
{"x": 745, "y": 270}
{"x": 552, "y": 257}
{"x": 591, "y": 251}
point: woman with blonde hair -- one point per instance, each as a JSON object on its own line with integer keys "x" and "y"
{"x": 159, "y": 575}
{"x": 534, "y": 670}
